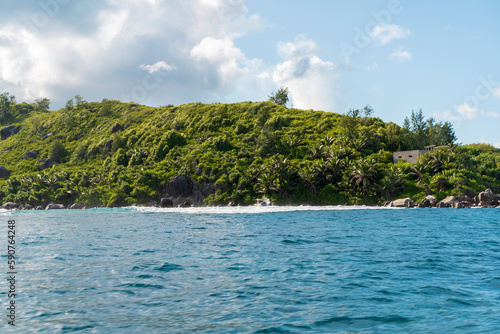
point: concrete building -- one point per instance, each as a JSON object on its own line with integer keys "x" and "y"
{"x": 411, "y": 156}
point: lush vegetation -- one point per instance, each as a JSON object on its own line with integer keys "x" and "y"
{"x": 113, "y": 153}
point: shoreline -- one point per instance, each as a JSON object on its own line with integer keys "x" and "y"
{"x": 271, "y": 206}
{"x": 485, "y": 199}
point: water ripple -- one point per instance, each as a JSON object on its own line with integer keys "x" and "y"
{"x": 258, "y": 270}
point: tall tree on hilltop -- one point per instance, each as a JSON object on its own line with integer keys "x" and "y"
{"x": 42, "y": 104}
{"x": 280, "y": 97}
{"x": 6, "y": 102}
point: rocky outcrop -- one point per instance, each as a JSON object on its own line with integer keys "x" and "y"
{"x": 10, "y": 206}
{"x": 466, "y": 201}
{"x": 53, "y": 206}
{"x": 450, "y": 202}
{"x": 263, "y": 202}
{"x": 4, "y": 172}
{"x": 25, "y": 109}
{"x": 180, "y": 186}
{"x": 48, "y": 163}
{"x": 31, "y": 155}
{"x": 8, "y": 131}
{"x": 401, "y": 203}
{"x": 152, "y": 203}
{"x": 117, "y": 127}
{"x": 487, "y": 198}
{"x": 76, "y": 206}
{"x": 184, "y": 192}
{"x": 428, "y": 202}
{"x": 166, "y": 202}
{"x": 185, "y": 204}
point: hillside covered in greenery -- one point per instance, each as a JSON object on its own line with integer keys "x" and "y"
{"x": 114, "y": 154}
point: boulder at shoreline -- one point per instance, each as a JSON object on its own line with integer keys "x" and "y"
{"x": 401, "y": 203}
{"x": 53, "y": 206}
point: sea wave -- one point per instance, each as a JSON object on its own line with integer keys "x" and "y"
{"x": 255, "y": 209}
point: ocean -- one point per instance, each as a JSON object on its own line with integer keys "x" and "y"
{"x": 252, "y": 270}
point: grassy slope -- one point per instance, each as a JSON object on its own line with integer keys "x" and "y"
{"x": 248, "y": 150}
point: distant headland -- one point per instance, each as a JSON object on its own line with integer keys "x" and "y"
{"x": 112, "y": 154}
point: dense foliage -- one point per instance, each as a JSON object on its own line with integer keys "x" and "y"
{"x": 115, "y": 153}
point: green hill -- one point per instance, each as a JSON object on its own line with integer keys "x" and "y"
{"x": 113, "y": 154}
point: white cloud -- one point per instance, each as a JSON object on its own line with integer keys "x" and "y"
{"x": 466, "y": 111}
{"x": 447, "y": 115}
{"x": 496, "y": 92}
{"x": 216, "y": 50}
{"x": 98, "y": 49}
{"x": 400, "y": 56}
{"x": 385, "y": 33}
{"x": 158, "y": 66}
{"x": 313, "y": 82}
{"x": 222, "y": 55}
{"x": 301, "y": 47}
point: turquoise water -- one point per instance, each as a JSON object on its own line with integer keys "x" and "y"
{"x": 256, "y": 270}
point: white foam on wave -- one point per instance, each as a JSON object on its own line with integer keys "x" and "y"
{"x": 254, "y": 209}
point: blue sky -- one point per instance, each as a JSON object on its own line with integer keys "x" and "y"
{"x": 395, "y": 55}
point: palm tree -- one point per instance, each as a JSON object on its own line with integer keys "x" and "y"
{"x": 364, "y": 175}
{"x": 328, "y": 140}
{"x": 418, "y": 170}
{"x": 307, "y": 174}
{"x": 316, "y": 151}
{"x": 391, "y": 182}
{"x": 440, "y": 181}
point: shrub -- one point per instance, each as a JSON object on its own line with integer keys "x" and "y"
{"x": 57, "y": 151}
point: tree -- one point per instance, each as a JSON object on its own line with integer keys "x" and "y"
{"x": 364, "y": 174}
{"x": 420, "y": 129}
{"x": 69, "y": 104}
{"x": 106, "y": 106}
{"x": 79, "y": 100}
{"x": 6, "y": 102}
{"x": 350, "y": 122}
{"x": 420, "y": 132}
{"x": 447, "y": 133}
{"x": 57, "y": 151}
{"x": 368, "y": 111}
{"x": 391, "y": 182}
{"x": 280, "y": 97}
{"x": 42, "y": 104}
{"x": 441, "y": 133}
